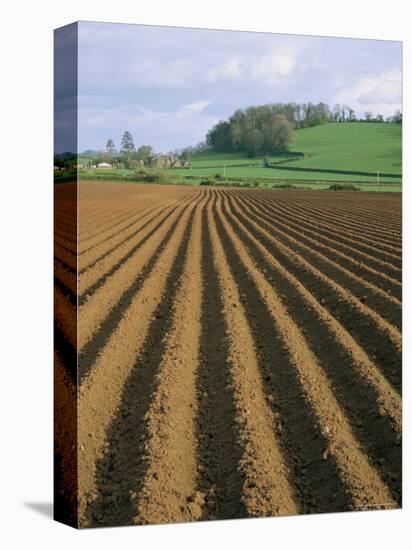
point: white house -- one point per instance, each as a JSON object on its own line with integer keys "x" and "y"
{"x": 104, "y": 165}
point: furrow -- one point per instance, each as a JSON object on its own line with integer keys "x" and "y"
{"x": 219, "y": 480}
{"x": 66, "y": 241}
{"x": 110, "y": 228}
{"x": 107, "y": 397}
{"x": 88, "y": 259}
{"x": 372, "y": 406}
{"x": 92, "y": 279}
{"x": 65, "y": 316}
{"x": 382, "y": 300}
{"x": 65, "y": 444}
{"x": 266, "y": 488}
{"x": 381, "y": 340}
{"x": 92, "y": 225}
{"x": 374, "y": 211}
{"x": 364, "y": 485}
{"x": 315, "y": 482}
{"x": 379, "y": 282}
{"x": 168, "y": 490}
{"x": 349, "y": 242}
{"x": 88, "y": 245}
{"x": 341, "y": 219}
{"x": 65, "y": 254}
{"x": 65, "y": 333}
{"x": 66, "y": 277}
{"x": 97, "y": 307}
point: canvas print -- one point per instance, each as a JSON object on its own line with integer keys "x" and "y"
{"x": 228, "y": 274}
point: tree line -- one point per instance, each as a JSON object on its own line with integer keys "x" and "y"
{"x": 268, "y": 129}
{"x": 128, "y": 153}
{"x": 129, "y": 156}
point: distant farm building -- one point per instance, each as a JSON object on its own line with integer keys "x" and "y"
{"x": 104, "y": 165}
{"x": 160, "y": 161}
{"x": 164, "y": 161}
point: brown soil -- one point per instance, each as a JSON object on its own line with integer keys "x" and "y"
{"x": 239, "y": 352}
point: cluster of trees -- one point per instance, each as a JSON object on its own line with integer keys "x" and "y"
{"x": 396, "y": 118}
{"x": 128, "y": 155}
{"x": 265, "y": 129}
{"x": 343, "y": 113}
{"x": 262, "y": 129}
{"x": 184, "y": 154}
{"x": 268, "y": 129}
{"x": 253, "y": 120}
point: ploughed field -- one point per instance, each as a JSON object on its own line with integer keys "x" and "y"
{"x": 239, "y": 351}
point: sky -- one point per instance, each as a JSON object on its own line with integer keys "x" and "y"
{"x": 168, "y": 86}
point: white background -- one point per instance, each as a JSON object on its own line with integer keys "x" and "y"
{"x": 26, "y": 129}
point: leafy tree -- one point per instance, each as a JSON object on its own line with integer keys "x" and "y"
{"x": 127, "y": 147}
{"x": 110, "y": 147}
{"x": 351, "y": 115}
{"x": 219, "y": 136}
{"x": 144, "y": 152}
{"x": 253, "y": 140}
{"x": 337, "y": 113}
{"x": 186, "y": 154}
{"x": 277, "y": 134}
{"x": 397, "y": 117}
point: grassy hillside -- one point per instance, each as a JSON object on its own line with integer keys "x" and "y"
{"x": 345, "y": 148}
{"x": 351, "y": 146}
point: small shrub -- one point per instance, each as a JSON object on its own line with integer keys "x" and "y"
{"x": 343, "y": 187}
{"x": 131, "y": 164}
{"x": 150, "y": 177}
{"x": 207, "y": 181}
{"x": 282, "y": 186}
{"x": 162, "y": 177}
{"x": 139, "y": 175}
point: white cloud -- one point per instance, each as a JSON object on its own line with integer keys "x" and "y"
{"x": 175, "y": 73}
{"x": 269, "y": 69}
{"x": 232, "y": 69}
{"x": 274, "y": 67}
{"x": 196, "y": 107}
{"x": 387, "y": 88}
{"x": 379, "y": 93}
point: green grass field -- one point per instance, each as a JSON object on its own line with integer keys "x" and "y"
{"x": 359, "y": 147}
{"x": 260, "y": 172}
{"x": 352, "y": 146}
{"x": 335, "y": 150}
